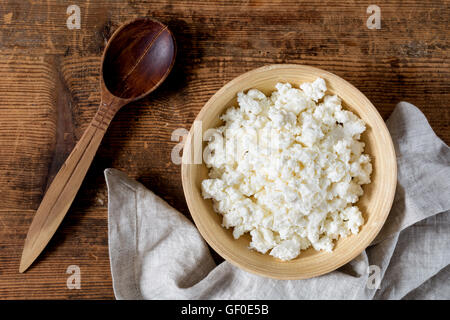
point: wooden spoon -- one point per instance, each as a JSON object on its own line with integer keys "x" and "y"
{"x": 136, "y": 60}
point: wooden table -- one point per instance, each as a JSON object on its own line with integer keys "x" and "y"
{"x": 49, "y": 90}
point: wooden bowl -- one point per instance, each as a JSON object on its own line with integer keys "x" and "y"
{"x": 375, "y": 204}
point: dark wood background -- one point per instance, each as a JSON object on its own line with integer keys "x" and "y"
{"x": 49, "y": 90}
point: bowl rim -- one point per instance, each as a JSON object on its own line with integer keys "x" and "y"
{"x": 187, "y": 184}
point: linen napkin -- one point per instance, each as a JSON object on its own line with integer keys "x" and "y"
{"x": 157, "y": 253}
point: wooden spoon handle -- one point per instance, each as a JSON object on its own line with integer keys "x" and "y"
{"x": 63, "y": 189}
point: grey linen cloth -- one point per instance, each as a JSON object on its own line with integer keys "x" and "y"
{"x": 157, "y": 253}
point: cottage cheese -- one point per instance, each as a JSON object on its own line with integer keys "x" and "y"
{"x": 288, "y": 169}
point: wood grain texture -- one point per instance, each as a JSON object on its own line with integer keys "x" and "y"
{"x": 41, "y": 62}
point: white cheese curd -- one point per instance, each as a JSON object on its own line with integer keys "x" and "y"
{"x": 288, "y": 169}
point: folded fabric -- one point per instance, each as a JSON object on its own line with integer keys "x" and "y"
{"x": 157, "y": 253}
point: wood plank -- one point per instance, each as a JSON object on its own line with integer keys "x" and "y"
{"x": 49, "y": 91}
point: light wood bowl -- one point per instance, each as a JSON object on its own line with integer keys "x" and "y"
{"x": 375, "y": 204}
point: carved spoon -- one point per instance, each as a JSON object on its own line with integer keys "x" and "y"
{"x": 136, "y": 60}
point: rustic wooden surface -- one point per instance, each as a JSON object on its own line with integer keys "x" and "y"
{"x": 49, "y": 90}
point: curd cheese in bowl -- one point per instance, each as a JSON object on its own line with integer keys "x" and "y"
{"x": 287, "y": 168}
{"x": 288, "y": 161}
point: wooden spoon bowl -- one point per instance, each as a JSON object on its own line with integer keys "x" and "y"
{"x": 138, "y": 58}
